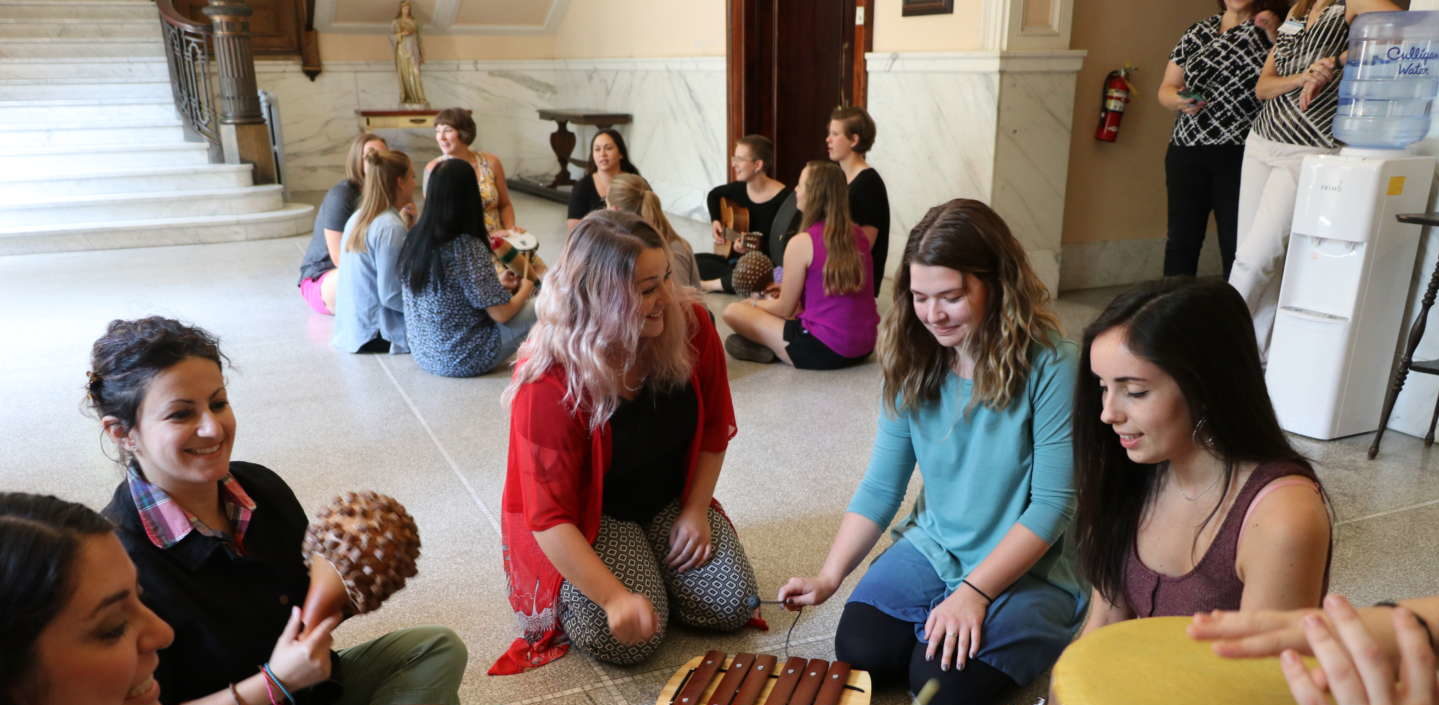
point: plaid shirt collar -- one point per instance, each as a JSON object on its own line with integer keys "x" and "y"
{"x": 166, "y": 522}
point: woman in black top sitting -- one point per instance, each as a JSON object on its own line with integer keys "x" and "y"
{"x": 752, "y": 189}
{"x": 608, "y": 158}
{"x": 217, "y": 543}
{"x": 851, "y": 134}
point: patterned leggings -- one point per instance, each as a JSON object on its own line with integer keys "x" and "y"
{"x": 712, "y": 596}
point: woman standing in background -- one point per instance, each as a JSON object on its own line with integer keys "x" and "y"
{"x": 1210, "y": 84}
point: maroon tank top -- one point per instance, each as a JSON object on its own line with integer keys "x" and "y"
{"x": 1212, "y": 584}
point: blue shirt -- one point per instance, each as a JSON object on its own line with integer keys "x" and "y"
{"x": 368, "y": 302}
{"x": 451, "y": 332}
{"x": 984, "y": 471}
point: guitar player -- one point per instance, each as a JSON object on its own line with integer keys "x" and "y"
{"x": 752, "y": 193}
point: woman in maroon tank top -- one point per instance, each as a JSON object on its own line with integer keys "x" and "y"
{"x": 1190, "y": 496}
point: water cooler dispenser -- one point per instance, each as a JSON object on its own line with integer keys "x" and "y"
{"x": 1347, "y": 272}
{"x": 1346, "y": 279}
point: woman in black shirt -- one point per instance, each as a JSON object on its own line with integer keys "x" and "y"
{"x": 851, "y": 134}
{"x": 608, "y": 158}
{"x": 752, "y": 189}
{"x": 217, "y": 543}
{"x": 1210, "y": 84}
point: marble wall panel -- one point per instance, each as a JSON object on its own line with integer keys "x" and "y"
{"x": 1031, "y": 163}
{"x": 677, "y": 137}
{"x": 935, "y": 141}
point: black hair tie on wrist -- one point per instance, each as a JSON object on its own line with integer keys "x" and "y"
{"x": 982, "y": 593}
{"x": 1423, "y": 623}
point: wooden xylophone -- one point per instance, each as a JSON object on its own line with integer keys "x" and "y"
{"x": 759, "y": 679}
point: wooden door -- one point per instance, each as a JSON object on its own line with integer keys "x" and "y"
{"x": 792, "y": 62}
{"x": 276, "y": 27}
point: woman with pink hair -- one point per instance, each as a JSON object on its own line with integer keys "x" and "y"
{"x": 620, "y": 415}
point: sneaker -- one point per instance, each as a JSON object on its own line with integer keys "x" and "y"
{"x": 742, "y": 348}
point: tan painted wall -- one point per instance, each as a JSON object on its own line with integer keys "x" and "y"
{"x": 957, "y": 32}
{"x": 590, "y": 29}
{"x": 1116, "y": 190}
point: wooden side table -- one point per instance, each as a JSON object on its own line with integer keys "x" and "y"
{"x": 563, "y": 141}
{"x": 396, "y": 119}
{"x": 1407, "y": 364}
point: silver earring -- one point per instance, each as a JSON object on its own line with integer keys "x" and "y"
{"x": 1201, "y": 435}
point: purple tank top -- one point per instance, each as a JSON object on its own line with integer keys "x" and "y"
{"x": 848, "y": 323}
{"x": 1212, "y": 584}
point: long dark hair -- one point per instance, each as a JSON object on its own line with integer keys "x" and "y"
{"x": 452, "y": 208}
{"x": 1200, "y": 333}
{"x": 40, "y": 537}
{"x": 625, "y": 165}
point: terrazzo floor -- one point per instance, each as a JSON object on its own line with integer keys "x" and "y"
{"x": 331, "y": 422}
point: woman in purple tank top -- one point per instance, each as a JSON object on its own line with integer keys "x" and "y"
{"x": 1190, "y": 497}
{"x": 825, "y": 317}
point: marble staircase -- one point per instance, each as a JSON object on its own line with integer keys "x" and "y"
{"x": 92, "y": 152}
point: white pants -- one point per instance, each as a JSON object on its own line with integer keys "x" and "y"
{"x": 1268, "y": 182}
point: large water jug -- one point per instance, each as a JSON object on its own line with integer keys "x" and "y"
{"x": 1390, "y": 79}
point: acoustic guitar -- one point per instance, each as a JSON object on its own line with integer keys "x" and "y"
{"x": 735, "y": 220}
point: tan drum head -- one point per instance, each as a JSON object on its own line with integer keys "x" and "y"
{"x": 1153, "y": 661}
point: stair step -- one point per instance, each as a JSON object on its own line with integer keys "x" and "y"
{"x": 119, "y": 207}
{"x": 132, "y": 10}
{"x": 157, "y": 132}
{"x": 66, "y": 113}
{"x": 75, "y": 28}
{"x": 101, "y": 158}
{"x": 27, "y": 187}
{"x": 84, "y": 70}
{"x": 83, "y": 89}
{"x": 290, "y": 219}
{"x": 47, "y": 47}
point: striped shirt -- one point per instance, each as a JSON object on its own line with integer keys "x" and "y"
{"x": 1298, "y": 46}
{"x": 1223, "y": 66}
{"x": 166, "y": 522}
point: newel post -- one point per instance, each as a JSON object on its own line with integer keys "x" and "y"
{"x": 243, "y": 133}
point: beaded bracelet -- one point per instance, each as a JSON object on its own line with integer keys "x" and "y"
{"x": 1423, "y": 623}
{"x": 278, "y": 684}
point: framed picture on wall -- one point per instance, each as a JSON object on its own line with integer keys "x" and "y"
{"x": 927, "y": 7}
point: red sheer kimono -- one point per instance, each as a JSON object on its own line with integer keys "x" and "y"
{"x": 555, "y": 475}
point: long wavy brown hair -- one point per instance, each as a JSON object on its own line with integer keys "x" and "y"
{"x": 826, "y": 198}
{"x": 382, "y": 179}
{"x": 969, "y": 237}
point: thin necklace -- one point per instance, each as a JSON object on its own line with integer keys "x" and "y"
{"x": 1206, "y": 491}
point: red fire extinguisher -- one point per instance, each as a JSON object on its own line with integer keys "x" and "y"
{"x": 1113, "y": 98}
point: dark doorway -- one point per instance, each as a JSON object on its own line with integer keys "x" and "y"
{"x": 790, "y": 63}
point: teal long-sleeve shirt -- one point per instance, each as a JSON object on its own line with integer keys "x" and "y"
{"x": 984, "y": 470}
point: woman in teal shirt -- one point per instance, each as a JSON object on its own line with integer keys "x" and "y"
{"x": 976, "y": 590}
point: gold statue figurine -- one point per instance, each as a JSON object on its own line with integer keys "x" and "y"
{"x": 405, "y": 39}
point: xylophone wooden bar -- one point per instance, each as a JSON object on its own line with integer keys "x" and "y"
{"x": 729, "y": 685}
{"x": 789, "y": 675}
{"x": 809, "y": 682}
{"x": 756, "y": 680}
{"x": 750, "y": 679}
{"x": 695, "y": 689}
{"x": 832, "y": 689}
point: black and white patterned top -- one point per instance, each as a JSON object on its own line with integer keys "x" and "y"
{"x": 1297, "y": 47}
{"x": 449, "y": 332}
{"x": 1223, "y": 66}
